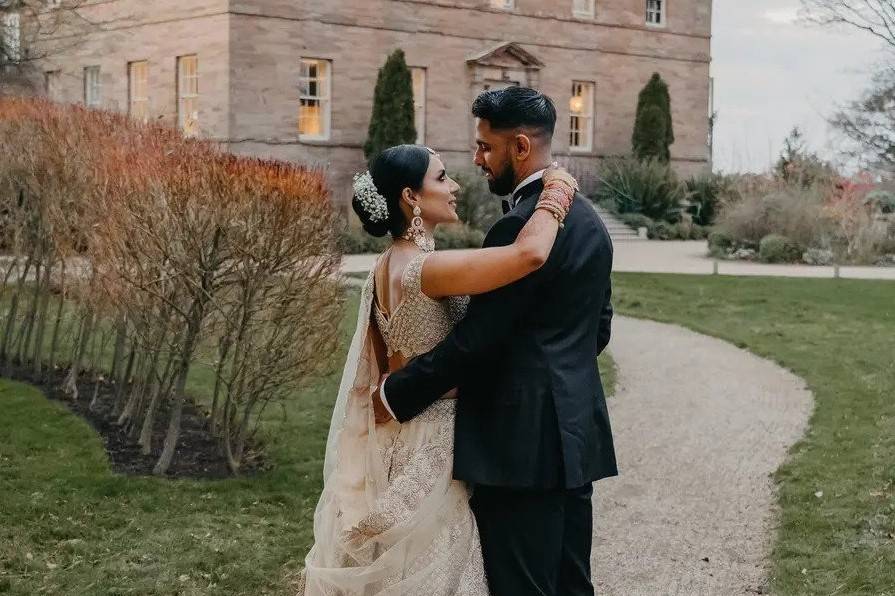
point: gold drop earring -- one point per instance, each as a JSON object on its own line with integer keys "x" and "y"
{"x": 417, "y": 232}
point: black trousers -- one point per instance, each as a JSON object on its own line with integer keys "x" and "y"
{"x": 535, "y": 543}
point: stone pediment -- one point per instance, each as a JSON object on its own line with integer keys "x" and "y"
{"x": 507, "y": 54}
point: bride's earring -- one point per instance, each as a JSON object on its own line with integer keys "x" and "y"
{"x": 417, "y": 232}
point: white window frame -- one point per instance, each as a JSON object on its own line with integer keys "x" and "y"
{"x": 138, "y": 91}
{"x": 188, "y": 94}
{"x": 503, "y": 4}
{"x": 93, "y": 86}
{"x": 323, "y": 95}
{"x": 12, "y": 36}
{"x": 656, "y": 13}
{"x": 419, "y": 77}
{"x": 582, "y": 122}
{"x": 584, "y": 8}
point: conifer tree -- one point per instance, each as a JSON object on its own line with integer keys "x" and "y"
{"x": 653, "y": 130}
{"x": 392, "y": 120}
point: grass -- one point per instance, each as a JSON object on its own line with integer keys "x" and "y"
{"x": 608, "y": 372}
{"x": 839, "y": 335}
{"x": 70, "y": 526}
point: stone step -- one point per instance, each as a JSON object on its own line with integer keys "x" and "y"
{"x": 617, "y": 229}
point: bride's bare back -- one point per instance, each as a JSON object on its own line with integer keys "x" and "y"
{"x": 409, "y": 322}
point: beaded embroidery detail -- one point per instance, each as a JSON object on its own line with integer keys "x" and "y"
{"x": 418, "y": 323}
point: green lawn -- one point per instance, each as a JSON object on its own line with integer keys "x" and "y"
{"x": 839, "y": 335}
{"x": 70, "y": 526}
{"x": 608, "y": 372}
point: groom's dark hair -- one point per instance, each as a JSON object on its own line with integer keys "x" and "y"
{"x": 516, "y": 107}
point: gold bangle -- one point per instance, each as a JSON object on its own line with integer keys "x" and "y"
{"x": 555, "y": 204}
{"x": 564, "y": 198}
{"x": 558, "y": 182}
{"x": 557, "y": 213}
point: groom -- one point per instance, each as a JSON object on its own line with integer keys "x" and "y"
{"x": 532, "y": 431}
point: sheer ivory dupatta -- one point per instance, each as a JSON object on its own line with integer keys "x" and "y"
{"x": 353, "y": 475}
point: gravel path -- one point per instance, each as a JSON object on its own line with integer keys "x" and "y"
{"x": 699, "y": 426}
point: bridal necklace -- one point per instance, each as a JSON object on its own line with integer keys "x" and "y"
{"x": 417, "y": 234}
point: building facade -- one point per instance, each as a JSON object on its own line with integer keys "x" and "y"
{"x": 294, "y": 79}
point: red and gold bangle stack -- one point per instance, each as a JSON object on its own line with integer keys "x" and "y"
{"x": 556, "y": 199}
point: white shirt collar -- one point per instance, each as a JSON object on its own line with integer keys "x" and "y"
{"x": 536, "y": 176}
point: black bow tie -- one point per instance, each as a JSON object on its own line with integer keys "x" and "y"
{"x": 512, "y": 201}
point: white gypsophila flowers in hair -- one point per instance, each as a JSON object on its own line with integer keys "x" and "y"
{"x": 370, "y": 199}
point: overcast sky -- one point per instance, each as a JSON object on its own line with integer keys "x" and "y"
{"x": 772, "y": 72}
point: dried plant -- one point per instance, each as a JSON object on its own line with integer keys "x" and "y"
{"x": 168, "y": 250}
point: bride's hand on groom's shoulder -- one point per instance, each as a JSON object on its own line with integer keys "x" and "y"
{"x": 556, "y": 173}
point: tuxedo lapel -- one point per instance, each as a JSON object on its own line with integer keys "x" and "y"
{"x": 531, "y": 189}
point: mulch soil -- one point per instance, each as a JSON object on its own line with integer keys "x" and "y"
{"x": 198, "y": 453}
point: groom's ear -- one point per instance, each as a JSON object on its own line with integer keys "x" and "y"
{"x": 521, "y": 146}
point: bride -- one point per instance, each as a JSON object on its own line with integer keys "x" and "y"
{"x": 391, "y": 520}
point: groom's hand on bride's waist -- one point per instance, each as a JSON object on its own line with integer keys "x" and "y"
{"x": 380, "y": 410}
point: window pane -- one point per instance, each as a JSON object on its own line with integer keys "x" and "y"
{"x": 583, "y": 7}
{"x": 188, "y": 95}
{"x": 419, "y": 103}
{"x": 12, "y": 35}
{"x": 313, "y": 105}
{"x": 654, "y": 12}
{"x": 581, "y": 110}
{"x": 138, "y": 84}
{"x": 52, "y": 83}
{"x": 310, "y": 118}
{"x": 92, "y": 87}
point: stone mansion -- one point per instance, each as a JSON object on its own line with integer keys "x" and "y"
{"x": 294, "y": 79}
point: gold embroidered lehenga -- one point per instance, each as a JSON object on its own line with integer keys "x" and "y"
{"x": 391, "y": 519}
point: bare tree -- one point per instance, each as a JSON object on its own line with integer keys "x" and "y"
{"x": 33, "y": 30}
{"x": 869, "y": 121}
{"x": 274, "y": 323}
{"x": 875, "y": 17}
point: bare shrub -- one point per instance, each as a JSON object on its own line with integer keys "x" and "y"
{"x": 172, "y": 251}
{"x": 792, "y": 211}
{"x": 833, "y": 215}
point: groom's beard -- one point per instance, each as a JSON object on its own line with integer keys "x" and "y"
{"x": 503, "y": 184}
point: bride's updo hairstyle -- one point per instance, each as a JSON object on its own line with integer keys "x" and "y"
{"x": 393, "y": 170}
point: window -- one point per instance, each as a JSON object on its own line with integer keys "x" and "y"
{"x": 92, "y": 87}
{"x": 313, "y": 99}
{"x": 53, "y": 85}
{"x": 12, "y": 37}
{"x": 581, "y": 116}
{"x": 419, "y": 103}
{"x": 503, "y": 4}
{"x": 583, "y": 8}
{"x": 138, "y": 90}
{"x": 188, "y": 95}
{"x": 655, "y": 12}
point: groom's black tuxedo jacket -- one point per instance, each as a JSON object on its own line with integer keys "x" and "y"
{"x": 531, "y": 411}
